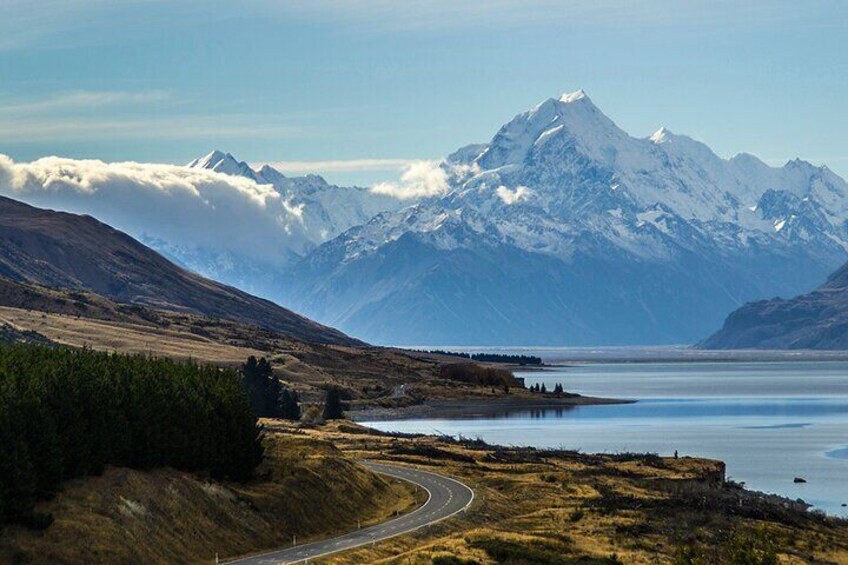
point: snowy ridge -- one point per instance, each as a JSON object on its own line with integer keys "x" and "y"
{"x": 561, "y": 185}
{"x": 325, "y": 210}
{"x": 578, "y": 172}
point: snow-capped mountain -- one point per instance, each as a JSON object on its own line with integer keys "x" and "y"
{"x": 564, "y": 229}
{"x": 322, "y": 210}
{"x": 326, "y": 210}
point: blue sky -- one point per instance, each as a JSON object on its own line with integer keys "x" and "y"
{"x": 354, "y": 89}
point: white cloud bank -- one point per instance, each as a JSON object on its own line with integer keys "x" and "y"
{"x": 511, "y": 196}
{"x": 177, "y": 205}
{"x": 420, "y": 179}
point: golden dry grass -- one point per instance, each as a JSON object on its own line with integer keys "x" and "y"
{"x": 579, "y": 508}
{"x": 126, "y": 337}
{"x": 163, "y": 516}
{"x": 545, "y": 507}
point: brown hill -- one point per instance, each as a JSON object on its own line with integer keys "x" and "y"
{"x": 69, "y": 251}
{"x": 816, "y": 320}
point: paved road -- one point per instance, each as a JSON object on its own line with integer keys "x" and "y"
{"x": 446, "y": 498}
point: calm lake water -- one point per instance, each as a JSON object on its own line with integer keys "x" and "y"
{"x": 770, "y": 422}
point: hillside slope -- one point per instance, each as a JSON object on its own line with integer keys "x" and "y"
{"x": 306, "y": 487}
{"x": 62, "y": 250}
{"x": 816, "y": 320}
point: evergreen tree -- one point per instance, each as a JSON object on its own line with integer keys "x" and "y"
{"x": 70, "y": 413}
{"x": 543, "y": 389}
{"x": 333, "y": 405}
{"x": 263, "y": 388}
{"x": 289, "y": 405}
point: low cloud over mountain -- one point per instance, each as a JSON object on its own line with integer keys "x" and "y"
{"x": 194, "y": 207}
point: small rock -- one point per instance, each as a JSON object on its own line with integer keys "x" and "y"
{"x": 800, "y": 480}
{"x": 844, "y": 505}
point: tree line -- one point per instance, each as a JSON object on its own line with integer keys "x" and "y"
{"x": 492, "y": 357}
{"x": 67, "y": 413}
{"x": 478, "y": 375}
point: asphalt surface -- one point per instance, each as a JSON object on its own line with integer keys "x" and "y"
{"x": 446, "y": 497}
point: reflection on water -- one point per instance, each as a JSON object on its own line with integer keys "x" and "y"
{"x": 770, "y": 422}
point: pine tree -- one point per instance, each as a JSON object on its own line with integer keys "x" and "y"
{"x": 263, "y": 388}
{"x": 543, "y": 389}
{"x": 289, "y": 405}
{"x": 70, "y": 413}
{"x": 333, "y": 405}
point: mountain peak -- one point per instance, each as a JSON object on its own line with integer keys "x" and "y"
{"x": 662, "y": 135}
{"x": 570, "y": 97}
{"x": 211, "y": 160}
{"x": 221, "y": 162}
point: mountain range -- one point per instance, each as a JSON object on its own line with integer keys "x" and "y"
{"x": 562, "y": 229}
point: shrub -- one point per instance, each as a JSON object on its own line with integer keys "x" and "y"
{"x": 452, "y": 560}
{"x": 333, "y": 409}
{"x": 478, "y": 375}
{"x": 746, "y": 546}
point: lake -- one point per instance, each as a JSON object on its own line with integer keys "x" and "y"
{"x": 769, "y": 421}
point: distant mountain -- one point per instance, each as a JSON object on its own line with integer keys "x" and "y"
{"x": 324, "y": 211}
{"x": 563, "y": 229}
{"x": 68, "y": 251}
{"x": 560, "y": 230}
{"x": 817, "y": 320}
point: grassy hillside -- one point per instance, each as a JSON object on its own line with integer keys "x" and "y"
{"x": 306, "y": 487}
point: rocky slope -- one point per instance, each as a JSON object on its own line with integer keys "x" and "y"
{"x": 68, "y": 251}
{"x": 817, "y": 320}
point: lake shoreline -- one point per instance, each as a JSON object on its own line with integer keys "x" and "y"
{"x": 472, "y": 408}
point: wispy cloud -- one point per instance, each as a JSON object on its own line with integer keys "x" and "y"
{"x": 29, "y": 22}
{"x": 81, "y": 100}
{"x": 339, "y": 165}
{"x": 78, "y": 116}
{"x": 179, "y": 127}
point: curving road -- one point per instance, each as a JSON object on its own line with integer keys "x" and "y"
{"x": 446, "y": 497}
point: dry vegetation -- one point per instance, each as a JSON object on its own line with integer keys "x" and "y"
{"x": 305, "y": 487}
{"x": 531, "y": 507}
{"x": 566, "y": 508}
